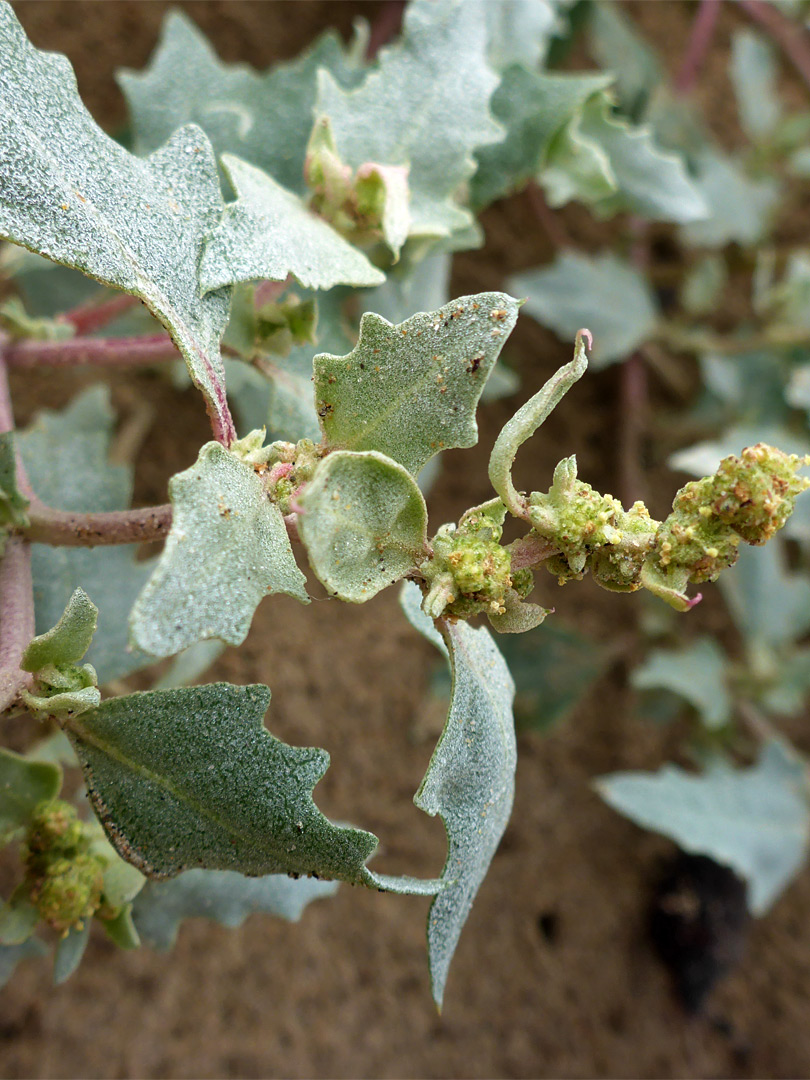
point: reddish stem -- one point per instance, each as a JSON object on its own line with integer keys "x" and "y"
{"x": 92, "y": 316}
{"x": 790, "y": 36}
{"x": 699, "y": 41}
{"x": 16, "y": 586}
{"x": 64, "y": 528}
{"x": 103, "y": 352}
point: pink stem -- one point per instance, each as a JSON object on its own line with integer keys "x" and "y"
{"x": 16, "y": 586}
{"x": 89, "y": 317}
{"x": 700, "y": 40}
{"x": 790, "y": 36}
{"x": 105, "y": 352}
{"x": 64, "y": 528}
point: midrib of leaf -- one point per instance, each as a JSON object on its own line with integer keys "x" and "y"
{"x": 387, "y": 413}
{"x": 81, "y": 732}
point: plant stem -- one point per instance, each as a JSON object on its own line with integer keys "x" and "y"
{"x": 16, "y": 586}
{"x": 64, "y": 528}
{"x": 16, "y": 617}
{"x": 92, "y": 316}
{"x": 103, "y": 352}
{"x": 789, "y": 36}
{"x": 699, "y": 41}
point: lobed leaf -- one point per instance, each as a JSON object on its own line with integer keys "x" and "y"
{"x": 363, "y": 523}
{"x": 603, "y": 293}
{"x": 696, "y": 673}
{"x": 227, "y": 549}
{"x": 410, "y": 391}
{"x": 269, "y": 233}
{"x": 264, "y": 118}
{"x": 619, "y": 49}
{"x": 533, "y": 107}
{"x": 520, "y": 32}
{"x": 471, "y": 777}
{"x": 190, "y": 778}
{"x": 426, "y": 106}
{"x": 70, "y": 192}
{"x": 66, "y": 456}
{"x": 222, "y": 895}
{"x": 754, "y": 820}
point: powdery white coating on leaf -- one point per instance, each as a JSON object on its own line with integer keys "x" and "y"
{"x": 190, "y": 778}
{"x": 269, "y": 233}
{"x": 755, "y": 820}
{"x": 470, "y": 781}
{"x": 603, "y": 293}
{"x": 265, "y": 118}
{"x": 222, "y": 895}
{"x": 70, "y": 192}
{"x": 228, "y": 547}
{"x": 68, "y": 640}
{"x": 425, "y": 106}
{"x": 411, "y": 391}
{"x": 532, "y": 106}
{"x": 66, "y": 457}
{"x": 364, "y": 523}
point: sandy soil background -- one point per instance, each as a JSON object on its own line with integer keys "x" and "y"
{"x": 554, "y": 975}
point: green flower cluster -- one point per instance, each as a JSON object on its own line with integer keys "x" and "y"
{"x": 64, "y": 876}
{"x": 749, "y": 498}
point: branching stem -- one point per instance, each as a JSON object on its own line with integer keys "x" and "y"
{"x": 700, "y": 40}
{"x": 63, "y": 528}
{"x": 102, "y": 352}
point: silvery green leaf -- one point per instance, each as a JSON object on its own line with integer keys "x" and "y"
{"x": 191, "y": 778}
{"x": 69, "y": 952}
{"x": 13, "y": 503}
{"x": 740, "y": 209}
{"x": 797, "y": 393}
{"x": 611, "y": 165}
{"x": 18, "y": 918}
{"x": 23, "y": 785}
{"x": 72, "y": 193}
{"x": 222, "y": 895}
{"x": 615, "y": 45}
{"x": 533, "y": 107}
{"x": 269, "y": 233}
{"x": 69, "y": 640}
{"x": 520, "y": 31}
{"x": 704, "y": 285}
{"x": 391, "y": 119}
{"x": 363, "y": 523}
{"x": 264, "y": 118}
{"x": 11, "y": 955}
{"x": 755, "y": 820}
{"x": 227, "y": 549}
{"x": 704, "y": 457}
{"x": 768, "y": 602}
{"x": 66, "y": 457}
{"x": 470, "y": 781}
{"x": 121, "y": 930}
{"x": 249, "y": 391}
{"x": 696, "y": 673}
{"x": 753, "y": 76}
{"x": 604, "y": 293}
{"x": 410, "y": 391}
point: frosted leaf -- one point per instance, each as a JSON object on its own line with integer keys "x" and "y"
{"x": 268, "y": 233}
{"x": 227, "y": 549}
{"x": 410, "y": 391}
{"x": 70, "y": 192}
